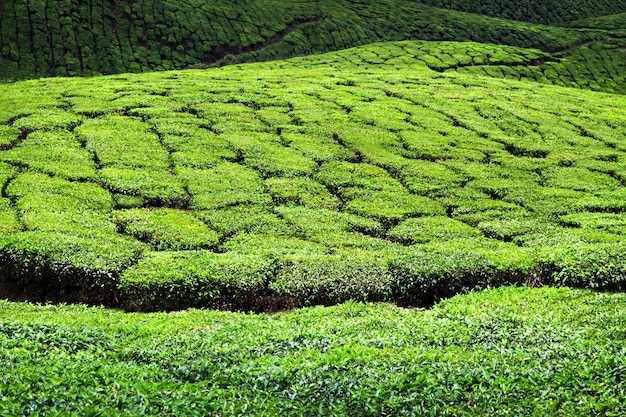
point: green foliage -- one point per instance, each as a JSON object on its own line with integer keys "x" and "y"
{"x": 601, "y": 266}
{"x": 48, "y": 119}
{"x": 166, "y": 229}
{"x": 301, "y": 191}
{"x": 225, "y": 185}
{"x": 425, "y": 229}
{"x": 78, "y": 268}
{"x": 271, "y": 245}
{"x": 261, "y": 152}
{"x": 317, "y": 146}
{"x": 353, "y": 161}
{"x": 493, "y": 352}
{"x": 53, "y": 153}
{"x": 84, "y": 195}
{"x": 319, "y": 221}
{"x": 245, "y": 218}
{"x": 157, "y": 188}
{"x": 8, "y": 136}
{"x": 391, "y": 207}
{"x": 68, "y": 38}
{"x": 174, "y": 280}
{"x": 424, "y": 277}
{"x": 328, "y": 279}
{"x": 8, "y": 217}
{"x": 123, "y": 142}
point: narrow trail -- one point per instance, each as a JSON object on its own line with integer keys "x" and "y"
{"x": 220, "y": 52}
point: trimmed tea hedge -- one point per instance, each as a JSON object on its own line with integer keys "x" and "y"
{"x": 175, "y": 280}
{"x": 66, "y": 267}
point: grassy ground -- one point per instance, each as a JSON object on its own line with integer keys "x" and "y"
{"x": 501, "y": 352}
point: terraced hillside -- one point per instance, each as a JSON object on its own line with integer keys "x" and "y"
{"x": 363, "y": 174}
{"x": 61, "y": 38}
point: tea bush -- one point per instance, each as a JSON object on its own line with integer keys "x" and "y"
{"x": 500, "y": 352}
{"x": 169, "y": 280}
{"x": 49, "y": 264}
{"x": 105, "y": 37}
{"x": 166, "y": 229}
{"x": 328, "y": 279}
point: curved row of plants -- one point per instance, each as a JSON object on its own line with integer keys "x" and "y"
{"x": 313, "y": 180}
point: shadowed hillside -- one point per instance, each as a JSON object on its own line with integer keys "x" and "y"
{"x": 60, "y": 38}
{"x": 538, "y": 11}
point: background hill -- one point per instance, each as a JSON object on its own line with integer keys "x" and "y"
{"x": 60, "y": 38}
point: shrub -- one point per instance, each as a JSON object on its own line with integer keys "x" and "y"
{"x": 391, "y": 207}
{"x": 301, "y": 191}
{"x": 344, "y": 177}
{"x": 124, "y": 142}
{"x": 176, "y": 280}
{"x": 74, "y": 268}
{"x": 579, "y": 179}
{"x": 63, "y": 214}
{"x": 7, "y": 172}
{"x": 315, "y": 221}
{"x": 270, "y": 245}
{"x": 425, "y": 229}
{"x": 510, "y": 225}
{"x": 87, "y": 195}
{"x": 8, "y": 136}
{"x": 48, "y": 119}
{"x": 157, "y": 188}
{"x": 55, "y": 153}
{"x": 166, "y": 229}
{"x": 245, "y": 218}
{"x": 225, "y": 185}
{"x": 331, "y": 279}
{"x": 600, "y": 266}
{"x": 424, "y": 277}
{"x": 261, "y": 151}
{"x": 8, "y": 217}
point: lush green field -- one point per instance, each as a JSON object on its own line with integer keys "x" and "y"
{"x": 370, "y": 174}
{"x": 403, "y": 173}
{"x": 503, "y": 352}
{"x": 61, "y": 38}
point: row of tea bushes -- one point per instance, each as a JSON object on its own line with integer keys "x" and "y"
{"x": 493, "y": 352}
{"x": 420, "y": 276}
{"x": 541, "y": 11}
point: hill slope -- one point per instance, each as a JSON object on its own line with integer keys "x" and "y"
{"x": 60, "y": 38}
{"x": 362, "y": 174}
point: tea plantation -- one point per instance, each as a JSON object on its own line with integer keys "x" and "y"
{"x": 501, "y": 352}
{"x": 91, "y": 37}
{"x": 432, "y": 224}
{"x": 389, "y": 172}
